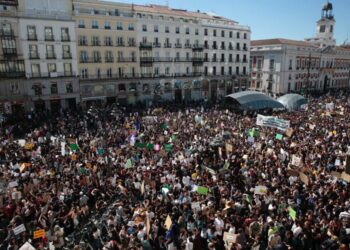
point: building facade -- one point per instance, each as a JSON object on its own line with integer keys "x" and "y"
{"x": 280, "y": 66}
{"x": 142, "y": 54}
{"x": 48, "y": 42}
{"x": 12, "y": 85}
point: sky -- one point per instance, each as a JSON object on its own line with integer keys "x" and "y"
{"x": 291, "y": 19}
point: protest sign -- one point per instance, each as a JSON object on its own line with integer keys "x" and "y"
{"x": 13, "y": 184}
{"x": 39, "y": 234}
{"x": 292, "y": 213}
{"x": 330, "y": 106}
{"x": 251, "y": 139}
{"x": 345, "y": 177}
{"x": 336, "y": 174}
{"x": 20, "y": 229}
{"x": 27, "y": 246}
{"x": 296, "y": 161}
{"x": 261, "y": 190}
{"x": 289, "y": 132}
{"x": 304, "y": 178}
{"x": 195, "y": 206}
{"x": 168, "y": 222}
{"x": 229, "y": 148}
{"x": 128, "y": 163}
{"x": 273, "y": 122}
{"x": 202, "y": 190}
{"x": 279, "y": 137}
{"x": 230, "y": 237}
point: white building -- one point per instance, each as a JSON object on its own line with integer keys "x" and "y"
{"x": 281, "y": 66}
{"x": 48, "y": 42}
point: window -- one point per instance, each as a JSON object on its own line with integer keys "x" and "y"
{"x": 331, "y": 29}
{"x": 94, "y": 24}
{"x": 51, "y": 67}
{"x": 66, "y": 51}
{"x": 222, "y": 71}
{"x": 187, "y": 31}
{"x": 120, "y": 26}
{"x": 166, "y": 29}
{"x": 48, "y": 34}
{"x": 214, "y": 32}
{"x": 196, "y": 32}
{"x": 31, "y": 31}
{"x": 108, "y": 41}
{"x": 109, "y": 72}
{"x": 205, "y": 32}
{"x": 237, "y": 70}
{"x": 65, "y": 34}
{"x": 50, "y": 52}
{"x": 245, "y": 35}
{"x": 156, "y": 71}
{"x": 187, "y": 70}
{"x": 38, "y": 89}
{"x": 67, "y": 69}
{"x": 120, "y": 41}
{"x": 230, "y": 34}
{"x": 107, "y": 25}
{"x": 222, "y": 33}
{"x": 167, "y": 71}
{"x": 83, "y": 56}
{"x": 35, "y": 70}
{"x": 95, "y": 41}
{"x": 54, "y": 90}
{"x": 272, "y": 63}
{"x": 84, "y": 73}
{"x": 177, "y": 30}
{"x": 290, "y": 64}
{"x": 96, "y": 56}
{"x": 322, "y": 28}
{"x": 69, "y": 87}
{"x": 131, "y": 42}
{"x": 33, "y": 52}
{"x": 144, "y": 27}
{"x": 81, "y": 24}
{"x": 131, "y": 26}
{"x": 155, "y": 28}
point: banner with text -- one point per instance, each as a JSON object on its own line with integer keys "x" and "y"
{"x": 273, "y": 122}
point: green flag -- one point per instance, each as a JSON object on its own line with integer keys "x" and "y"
{"x": 253, "y": 133}
{"x": 164, "y": 125}
{"x": 128, "y": 164}
{"x": 202, "y": 190}
{"x": 74, "y": 146}
{"x": 139, "y": 144}
{"x": 150, "y": 146}
{"x": 272, "y": 231}
{"x": 173, "y": 138}
{"x": 292, "y": 213}
{"x": 100, "y": 151}
{"x": 168, "y": 147}
{"x": 279, "y": 137}
{"x": 249, "y": 198}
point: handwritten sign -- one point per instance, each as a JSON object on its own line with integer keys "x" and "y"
{"x": 39, "y": 234}
{"x": 20, "y": 229}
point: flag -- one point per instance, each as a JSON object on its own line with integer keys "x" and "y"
{"x": 279, "y": 137}
{"x": 292, "y": 213}
{"x": 168, "y": 147}
{"x": 150, "y": 146}
{"x": 202, "y": 190}
{"x": 128, "y": 164}
{"x": 164, "y": 125}
{"x": 74, "y": 146}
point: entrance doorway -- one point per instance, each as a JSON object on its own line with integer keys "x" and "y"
{"x": 178, "y": 95}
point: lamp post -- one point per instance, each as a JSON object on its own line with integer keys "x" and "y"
{"x": 308, "y": 76}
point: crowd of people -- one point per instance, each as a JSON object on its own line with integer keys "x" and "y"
{"x": 194, "y": 178}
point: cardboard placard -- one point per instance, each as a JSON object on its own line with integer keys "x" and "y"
{"x": 39, "y": 234}
{"x": 168, "y": 222}
{"x": 261, "y": 190}
{"x": 20, "y": 229}
{"x": 336, "y": 174}
{"x": 229, "y": 148}
{"x": 345, "y": 177}
{"x": 289, "y": 132}
{"x": 196, "y": 206}
{"x": 230, "y": 237}
{"x": 292, "y": 172}
{"x": 304, "y": 178}
{"x": 296, "y": 161}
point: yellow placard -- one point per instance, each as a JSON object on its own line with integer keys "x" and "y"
{"x": 39, "y": 234}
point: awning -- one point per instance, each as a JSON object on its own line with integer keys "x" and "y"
{"x": 292, "y": 101}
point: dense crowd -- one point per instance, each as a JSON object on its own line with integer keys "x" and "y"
{"x": 196, "y": 178}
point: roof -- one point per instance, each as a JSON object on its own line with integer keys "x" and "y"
{"x": 161, "y": 9}
{"x": 281, "y": 41}
{"x": 292, "y": 101}
{"x": 254, "y": 100}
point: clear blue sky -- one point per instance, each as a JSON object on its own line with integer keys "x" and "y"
{"x": 293, "y": 19}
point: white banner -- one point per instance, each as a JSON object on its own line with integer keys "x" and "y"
{"x": 273, "y": 122}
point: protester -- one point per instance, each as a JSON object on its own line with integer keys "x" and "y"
{"x": 199, "y": 177}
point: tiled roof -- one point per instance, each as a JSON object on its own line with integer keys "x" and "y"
{"x": 281, "y": 41}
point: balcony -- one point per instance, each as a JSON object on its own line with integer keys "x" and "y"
{"x": 206, "y": 46}
{"x": 146, "y": 61}
{"x": 178, "y": 45}
{"x": 65, "y": 38}
{"x": 230, "y": 47}
{"x": 206, "y": 60}
{"x": 120, "y": 44}
{"x": 6, "y": 33}
{"x": 126, "y": 59}
{"x": 51, "y": 55}
{"x": 94, "y": 27}
{"x": 238, "y": 48}
{"x": 96, "y": 43}
{"x": 222, "y": 60}
{"x": 271, "y": 68}
{"x": 108, "y": 43}
{"x": 83, "y": 43}
{"x": 34, "y": 55}
{"x": 156, "y": 45}
{"x": 188, "y": 46}
{"x": 9, "y": 51}
{"x": 163, "y": 59}
{"x": 132, "y": 44}
{"x": 182, "y": 59}
{"x": 81, "y": 26}
{"x": 97, "y": 59}
{"x": 245, "y": 61}
{"x": 238, "y": 61}
{"x": 145, "y": 45}
{"x": 109, "y": 59}
{"x": 68, "y": 73}
{"x": 214, "y": 47}
{"x": 32, "y": 37}
{"x": 49, "y": 38}
{"x": 230, "y": 60}
{"x": 12, "y": 74}
{"x": 214, "y": 59}
{"x": 67, "y": 55}
{"x": 167, "y": 45}
{"x": 197, "y": 61}
{"x": 223, "y": 47}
